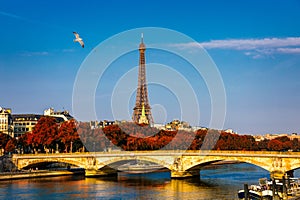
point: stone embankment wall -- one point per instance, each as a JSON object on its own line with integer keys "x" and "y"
{"x": 6, "y": 164}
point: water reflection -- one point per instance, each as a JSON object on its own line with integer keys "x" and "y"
{"x": 221, "y": 182}
{"x": 188, "y": 189}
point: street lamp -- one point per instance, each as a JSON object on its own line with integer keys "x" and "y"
{"x": 18, "y": 146}
{"x": 71, "y": 148}
{"x": 56, "y": 148}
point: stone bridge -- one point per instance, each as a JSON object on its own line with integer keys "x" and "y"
{"x": 181, "y": 163}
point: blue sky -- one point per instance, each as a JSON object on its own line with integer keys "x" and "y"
{"x": 255, "y": 45}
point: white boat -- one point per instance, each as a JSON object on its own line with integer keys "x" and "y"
{"x": 266, "y": 191}
{"x": 139, "y": 167}
{"x": 256, "y": 192}
{"x": 267, "y": 194}
{"x": 252, "y": 195}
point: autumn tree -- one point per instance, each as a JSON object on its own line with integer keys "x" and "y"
{"x": 138, "y": 137}
{"x": 92, "y": 139}
{"x": 68, "y": 135}
{"x": 44, "y": 134}
{"x": 295, "y": 145}
{"x": 275, "y": 145}
{"x": 4, "y": 138}
{"x": 131, "y": 137}
{"x": 22, "y": 144}
{"x": 283, "y": 144}
{"x": 263, "y": 145}
{"x": 11, "y": 145}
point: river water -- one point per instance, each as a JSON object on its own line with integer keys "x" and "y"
{"x": 220, "y": 182}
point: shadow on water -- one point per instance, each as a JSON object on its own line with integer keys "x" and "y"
{"x": 235, "y": 174}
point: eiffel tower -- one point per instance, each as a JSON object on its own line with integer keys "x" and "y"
{"x": 142, "y": 110}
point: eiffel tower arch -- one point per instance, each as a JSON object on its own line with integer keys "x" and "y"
{"x": 142, "y": 110}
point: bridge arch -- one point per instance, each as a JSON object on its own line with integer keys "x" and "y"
{"x": 117, "y": 161}
{"x": 199, "y": 163}
{"x": 295, "y": 166}
{"x": 38, "y": 162}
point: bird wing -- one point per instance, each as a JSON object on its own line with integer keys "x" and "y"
{"x": 76, "y": 34}
{"x": 81, "y": 43}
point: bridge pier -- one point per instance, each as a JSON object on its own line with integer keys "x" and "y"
{"x": 277, "y": 174}
{"x": 101, "y": 172}
{"x": 290, "y": 173}
{"x": 185, "y": 174}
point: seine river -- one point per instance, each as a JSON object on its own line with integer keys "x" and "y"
{"x": 220, "y": 182}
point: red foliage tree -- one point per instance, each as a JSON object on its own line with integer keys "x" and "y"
{"x": 275, "y": 145}
{"x": 10, "y": 146}
{"x": 44, "y": 134}
{"x": 67, "y": 134}
{"x": 283, "y": 139}
{"x": 21, "y": 143}
{"x": 144, "y": 142}
{"x": 228, "y": 141}
{"x": 198, "y": 139}
{"x": 263, "y": 145}
{"x": 130, "y": 137}
{"x": 93, "y": 139}
{"x": 4, "y": 138}
{"x": 295, "y": 145}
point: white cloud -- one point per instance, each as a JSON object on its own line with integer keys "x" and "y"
{"x": 289, "y": 50}
{"x": 250, "y": 44}
{"x": 252, "y": 47}
{"x": 17, "y": 17}
{"x": 36, "y": 53}
{"x": 10, "y": 15}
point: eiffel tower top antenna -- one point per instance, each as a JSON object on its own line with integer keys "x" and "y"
{"x": 142, "y": 37}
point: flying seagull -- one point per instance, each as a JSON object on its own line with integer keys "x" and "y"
{"x": 78, "y": 39}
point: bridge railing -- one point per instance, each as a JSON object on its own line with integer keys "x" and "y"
{"x": 167, "y": 152}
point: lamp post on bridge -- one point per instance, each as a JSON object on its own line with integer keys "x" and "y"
{"x": 71, "y": 147}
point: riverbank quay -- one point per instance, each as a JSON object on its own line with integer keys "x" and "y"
{"x": 294, "y": 198}
{"x": 39, "y": 174}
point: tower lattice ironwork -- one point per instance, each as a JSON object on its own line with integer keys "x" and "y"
{"x": 142, "y": 110}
